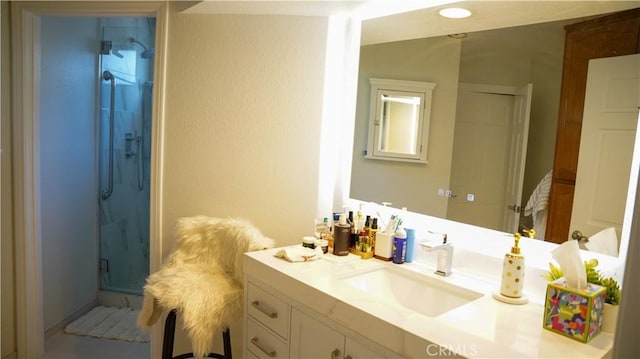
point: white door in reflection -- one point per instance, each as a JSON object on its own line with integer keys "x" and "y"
{"x": 489, "y": 150}
{"x": 609, "y": 122}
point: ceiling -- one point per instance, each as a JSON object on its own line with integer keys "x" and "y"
{"x": 486, "y": 15}
{"x": 414, "y": 19}
{"x": 265, "y": 7}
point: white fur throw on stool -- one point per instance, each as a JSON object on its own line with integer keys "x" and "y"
{"x": 202, "y": 277}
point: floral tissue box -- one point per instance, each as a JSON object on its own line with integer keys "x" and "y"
{"x": 574, "y": 313}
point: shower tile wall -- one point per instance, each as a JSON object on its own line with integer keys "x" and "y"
{"x": 124, "y": 217}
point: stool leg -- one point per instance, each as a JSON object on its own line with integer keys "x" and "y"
{"x": 226, "y": 338}
{"x": 169, "y": 334}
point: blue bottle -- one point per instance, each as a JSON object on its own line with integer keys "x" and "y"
{"x": 411, "y": 244}
{"x": 399, "y": 246}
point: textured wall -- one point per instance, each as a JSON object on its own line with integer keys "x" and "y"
{"x": 244, "y": 107}
{"x": 243, "y": 119}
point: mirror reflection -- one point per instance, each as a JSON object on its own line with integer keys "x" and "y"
{"x": 399, "y": 120}
{"x": 510, "y": 57}
{"x": 397, "y": 123}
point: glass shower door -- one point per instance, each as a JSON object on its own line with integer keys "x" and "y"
{"x": 126, "y": 87}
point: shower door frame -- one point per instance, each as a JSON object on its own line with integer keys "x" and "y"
{"x": 25, "y": 121}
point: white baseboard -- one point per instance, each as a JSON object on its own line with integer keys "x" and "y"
{"x": 57, "y": 328}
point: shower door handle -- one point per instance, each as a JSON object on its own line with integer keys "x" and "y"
{"x": 108, "y": 76}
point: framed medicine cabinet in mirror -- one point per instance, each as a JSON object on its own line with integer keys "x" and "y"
{"x": 399, "y": 120}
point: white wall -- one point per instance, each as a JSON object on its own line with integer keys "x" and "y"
{"x": 242, "y": 128}
{"x": 68, "y": 166}
{"x": 410, "y": 185}
{"x": 244, "y": 96}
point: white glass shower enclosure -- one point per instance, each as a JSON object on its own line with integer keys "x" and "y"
{"x": 126, "y": 87}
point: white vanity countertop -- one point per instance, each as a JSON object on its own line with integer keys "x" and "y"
{"x": 483, "y": 328}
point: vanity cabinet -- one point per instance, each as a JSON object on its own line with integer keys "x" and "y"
{"x": 266, "y": 324}
{"x": 278, "y": 327}
{"x": 312, "y": 339}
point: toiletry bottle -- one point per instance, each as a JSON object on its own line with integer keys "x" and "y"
{"x": 372, "y": 234}
{"x": 513, "y": 271}
{"x": 341, "y": 236}
{"x": 411, "y": 244}
{"x": 359, "y": 219}
{"x": 363, "y": 248}
{"x": 359, "y": 222}
{"x": 326, "y": 232}
{"x": 354, "y": 233}
{"x": 399, "y": 246}
{"x": 329, "y": 238}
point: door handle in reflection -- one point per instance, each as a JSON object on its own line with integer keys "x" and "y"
{"x": 578, "y": 236}
{"x": 515, "y": 208}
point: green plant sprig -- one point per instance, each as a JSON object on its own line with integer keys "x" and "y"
{"x": 613, "y": 290}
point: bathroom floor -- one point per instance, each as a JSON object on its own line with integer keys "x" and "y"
{"x": 69, "y": 346}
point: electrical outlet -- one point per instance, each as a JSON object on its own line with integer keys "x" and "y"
{"x": 471, "y": 197}
{"x": 440, "y": 191}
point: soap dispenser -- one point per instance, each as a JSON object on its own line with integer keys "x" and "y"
{"x": 341, "y": 236}
{"x": 512, "y": 276}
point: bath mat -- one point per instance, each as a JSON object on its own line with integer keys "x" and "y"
{"x": 111, "y": 323}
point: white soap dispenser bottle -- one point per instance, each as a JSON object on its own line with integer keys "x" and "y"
{"x": 512, "y": 276}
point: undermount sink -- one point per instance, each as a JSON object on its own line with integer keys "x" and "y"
{"x": 419, "y": 293}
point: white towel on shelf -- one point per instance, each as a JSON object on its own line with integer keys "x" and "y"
{"x": 538, "y": 205}
{"x": 299, "y": 253}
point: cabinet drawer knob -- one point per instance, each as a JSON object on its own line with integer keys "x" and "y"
{"x": 270, "y": 354}
{"x": 256, "y": 304}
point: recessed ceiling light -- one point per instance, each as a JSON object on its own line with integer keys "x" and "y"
{"x": 455, "y": 13}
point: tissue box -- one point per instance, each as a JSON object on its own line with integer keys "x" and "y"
{"x": 574, "y": 313}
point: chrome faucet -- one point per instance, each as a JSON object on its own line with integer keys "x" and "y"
{"x": 445, "y": 255}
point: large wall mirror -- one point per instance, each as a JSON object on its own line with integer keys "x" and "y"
{"x": 495, "y": 59}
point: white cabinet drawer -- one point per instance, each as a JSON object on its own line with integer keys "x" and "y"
{"x": 267, "y": 309}
{"x": 263, "y": 343}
